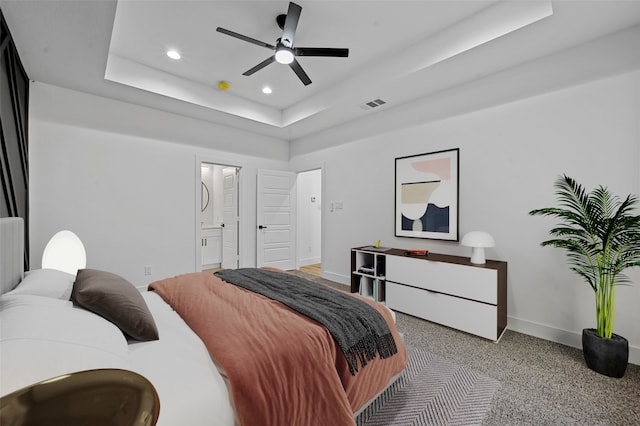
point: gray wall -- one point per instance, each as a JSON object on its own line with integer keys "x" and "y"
{"x": 510, "y": 156}
{"x": 106, "y": 170}
{"x": 101, "y": 169}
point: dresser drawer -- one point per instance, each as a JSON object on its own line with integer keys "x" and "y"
{"x": 470, "y": 282}
{"x": 466, "y": 315}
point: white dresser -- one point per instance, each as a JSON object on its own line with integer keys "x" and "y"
{"x": 448, "y": 290}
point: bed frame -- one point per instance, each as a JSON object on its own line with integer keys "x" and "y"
{"x": 12, "y": 265}
{"x": 11, "y": 252}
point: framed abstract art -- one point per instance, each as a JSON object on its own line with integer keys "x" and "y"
{"x": 426, "y": 191}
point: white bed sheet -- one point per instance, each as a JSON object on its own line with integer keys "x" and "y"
{"x": 191, "y": 390}
{"x": 43, "y": 337}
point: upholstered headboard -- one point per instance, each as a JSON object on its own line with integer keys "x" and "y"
{"x": 11, "y": 252}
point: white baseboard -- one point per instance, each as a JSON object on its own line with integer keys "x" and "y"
{"x": 565, "y": 337}
{"x": 309, "y": 261}
{"x": 338, "y": 278}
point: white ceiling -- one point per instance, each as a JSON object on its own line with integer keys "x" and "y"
{"x": 209, "y": 56}
{"x": 399, "y": 51}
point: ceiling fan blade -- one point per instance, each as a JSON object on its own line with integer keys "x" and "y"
{"x": 245, "y": 38}
{"x": 295, "y": 66}
{"x": 260, "y": 65}
{"x": 321, "y": 51}
{"x": 290, "y": 24}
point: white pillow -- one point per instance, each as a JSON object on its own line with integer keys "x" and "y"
{"x": 42, "y": 337}
{"x": 47, "y": 283}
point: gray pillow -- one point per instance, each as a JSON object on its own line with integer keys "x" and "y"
{"x": 117, "y": 300}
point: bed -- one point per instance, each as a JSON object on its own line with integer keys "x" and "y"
{"x": 44, "y": 334}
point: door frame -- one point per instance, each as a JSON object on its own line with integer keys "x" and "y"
{"x": 299, "y": 247}
{"x": 323, "y": 182}
{"x": 199, "y": 159}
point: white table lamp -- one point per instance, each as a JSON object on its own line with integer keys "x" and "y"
{"x": 64, "y": 252}
{"x": 478, "y": 240}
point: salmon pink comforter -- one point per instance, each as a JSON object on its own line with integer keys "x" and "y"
{"x": 282, "y": 368}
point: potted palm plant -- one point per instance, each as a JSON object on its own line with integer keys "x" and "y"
{"x": 602, "y": 238}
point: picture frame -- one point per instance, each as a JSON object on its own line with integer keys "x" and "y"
{"x": 427, "y": 195}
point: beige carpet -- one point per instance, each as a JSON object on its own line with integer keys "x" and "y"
{"x": 541, "y": 382}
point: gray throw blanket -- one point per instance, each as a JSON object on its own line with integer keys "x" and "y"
{"x": 357, "y": 328}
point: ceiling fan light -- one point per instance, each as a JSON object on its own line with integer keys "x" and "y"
{"x": 284, "y": 55}
{"x": 173, "y": 54}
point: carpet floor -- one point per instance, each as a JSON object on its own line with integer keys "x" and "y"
{"x": 541, "y": 382}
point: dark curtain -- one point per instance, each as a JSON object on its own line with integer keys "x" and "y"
{"x": 14, "y": 107}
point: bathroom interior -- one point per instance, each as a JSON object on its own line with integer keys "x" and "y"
{"x": 213, "y": 213}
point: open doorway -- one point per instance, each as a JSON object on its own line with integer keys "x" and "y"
{"x": 309, "y": 221}
{"x": 217, "y": 244}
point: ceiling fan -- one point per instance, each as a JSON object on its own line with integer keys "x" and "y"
{"x": 284, "y": 51}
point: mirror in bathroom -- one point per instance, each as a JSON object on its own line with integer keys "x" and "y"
{"x": 204, "y": 198}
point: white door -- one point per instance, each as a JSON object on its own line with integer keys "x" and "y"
{"x": 276, "y": 219}
{"x": 230, "y": 218}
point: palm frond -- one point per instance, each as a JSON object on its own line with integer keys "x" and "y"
{"x": 601, "y": 237}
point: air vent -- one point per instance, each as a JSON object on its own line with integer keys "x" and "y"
{"x": 373, "y": 104}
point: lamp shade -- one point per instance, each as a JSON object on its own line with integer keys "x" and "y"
{"x": 64, "y": 252}
{"x": 478, "y": 240}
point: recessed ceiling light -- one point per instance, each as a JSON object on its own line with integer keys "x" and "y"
{"x": 173, "y": 54}
{"x": 267, "y": 90}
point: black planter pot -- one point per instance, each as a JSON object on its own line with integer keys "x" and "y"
{"x": 605, "y": 356}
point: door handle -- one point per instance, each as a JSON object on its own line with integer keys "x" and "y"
{"x": 222, "y": 225}
{"x": 262, "y": 227}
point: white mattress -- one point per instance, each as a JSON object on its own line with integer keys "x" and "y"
{"x": 44, "y": 337}
{"x": 191, "y": 390}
